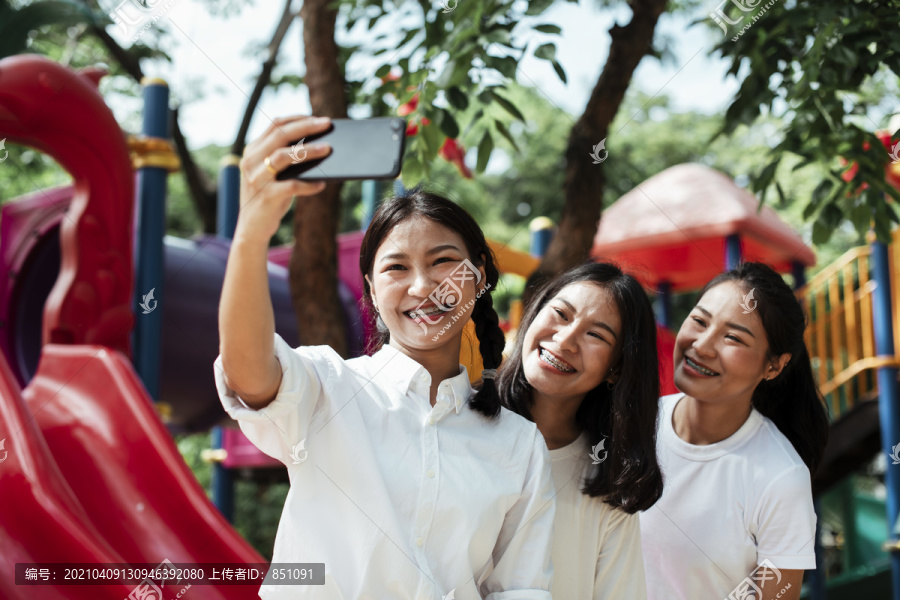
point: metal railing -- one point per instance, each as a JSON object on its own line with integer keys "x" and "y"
{"x": 840, "y": 336}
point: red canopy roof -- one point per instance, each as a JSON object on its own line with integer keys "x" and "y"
{"x": 673, "y": 228}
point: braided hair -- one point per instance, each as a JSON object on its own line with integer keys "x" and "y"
{"x": 420, "y": 203}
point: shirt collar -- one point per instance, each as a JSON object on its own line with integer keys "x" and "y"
{"x": 395, "y": 367}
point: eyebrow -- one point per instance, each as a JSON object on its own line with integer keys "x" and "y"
{"x": 435, "y": 250}
{"x": 600, "y": 324}
{"x": 732, "y": 325}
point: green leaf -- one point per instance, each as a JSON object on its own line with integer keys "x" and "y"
{"x": 821, "y": 233}
{"x": 457, "y": 98}
{"x": 484, "y": 152}
{"x": 507, "y": 105}
{"x": 412, "y": 171}
{"x": 505, "y": 133}
{"x": 431, "y": 138}
{"x": 447, "y": 123}
{"x": 546, "y": 52}
{"x": 382, "y": 71}
{"x": 15, "y": 25}
{"x": 547, "y": 28}
{"x": 765, "y": 178}
{"x": 505, "y": 65}
{"x": 536, "y": 7}
{"x": 559, "y": 71}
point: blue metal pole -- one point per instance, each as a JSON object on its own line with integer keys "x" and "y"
{"x": 222, "y": 482}
{"x": 229, "y": 196}
{"x": 542, "y": 230}
{"x": 888, "y": 397}
{"x": 664, "y": 303}
{"x": 732, "y": 251}
{"x": 817, "y": 589}
{"x": 371, "y": 195}
{"x": 799, "y": 273}
{"x": 150, "y": 229}
{"x": 228, "y": 203}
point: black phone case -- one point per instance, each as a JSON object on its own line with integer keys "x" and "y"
{"x": 360, "y": 149}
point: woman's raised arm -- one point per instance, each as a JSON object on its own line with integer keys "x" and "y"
{"x": 246, "y": 317}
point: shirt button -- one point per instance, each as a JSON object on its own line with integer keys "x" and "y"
{"x": 419, "y": 541}
{"x": 431, "y": 420}
{"x": 431, "y": 473}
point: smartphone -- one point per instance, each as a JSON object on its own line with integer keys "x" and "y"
{"x": 360, "y": 149}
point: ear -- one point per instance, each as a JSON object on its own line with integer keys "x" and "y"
{"x": 614, "y": 374}
{"x": 483, "y": 274}
{"x": 776, "y": 366}
{"x": 371, "y": 292}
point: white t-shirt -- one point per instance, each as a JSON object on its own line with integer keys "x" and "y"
{"x": 726, "y": 507}
{"x": 596, "y": 548}
{"x": 397, "y": 498}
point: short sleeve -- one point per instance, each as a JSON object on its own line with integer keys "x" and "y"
{"x": 523, "y": 569}
{"x": 620, "y": 563}
{"x": 786, "y": 521}
{"x": 284, "y": 423}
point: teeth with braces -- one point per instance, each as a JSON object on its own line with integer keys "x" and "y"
{"x": 546, "y": 356}
{"x": 702, "y": 370}
{"x": 426, "y": 312}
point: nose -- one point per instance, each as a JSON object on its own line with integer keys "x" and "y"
{"x": 565, "y": 339}
{"x": 422, "y": 283}
{"x": 703, "y": 344}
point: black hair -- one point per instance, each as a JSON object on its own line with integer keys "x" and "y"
{"x": 420, "y": 203}
{"x": 791, "y": 400}
{"x": 630, "y": 478}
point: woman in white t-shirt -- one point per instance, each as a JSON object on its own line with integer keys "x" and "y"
{"x": 405, "y": 483}
{"x": 737, "y": 447}
{"x": 584, "y": 369}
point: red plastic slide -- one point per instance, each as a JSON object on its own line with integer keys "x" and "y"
{"x": 40, "y": 517}
{"x": 88, "y": 473}
{"x": 121, "y": 463}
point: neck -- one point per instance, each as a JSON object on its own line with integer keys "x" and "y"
{"x": 555, "y": 418}
{"x": 703, "y": 423}
{"x": 441, "y": 362}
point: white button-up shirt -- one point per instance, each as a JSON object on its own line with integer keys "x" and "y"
{"x": 400, "y": 499}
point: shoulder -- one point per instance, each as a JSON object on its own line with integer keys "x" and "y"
{"x": 330, "y": 367}
{"x": 777, "y": 469}
{"x": 514, "y": 434}
{"x": 771, "y": 444}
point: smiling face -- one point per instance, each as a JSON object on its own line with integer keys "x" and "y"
{"x": 410, "y": 264}
{"x": 721, "y": 354}
{"x": 572, "y": 343}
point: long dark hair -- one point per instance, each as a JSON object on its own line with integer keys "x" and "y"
{"x": 420, "y": 203}
{"x": 630, "y": 478}
{"x": 791, "y": 400}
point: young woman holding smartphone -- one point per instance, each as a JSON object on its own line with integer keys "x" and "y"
{"x": 737, "y": 447}
{"x": 405, "y": 482}
{"x": 584, "y": 369}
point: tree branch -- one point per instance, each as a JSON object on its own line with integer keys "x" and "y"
{"x": 203, "y": 190}
{"x": 265, "y": 76}
{"x": 313, "y": 265}
{"x": 585, "y": 181}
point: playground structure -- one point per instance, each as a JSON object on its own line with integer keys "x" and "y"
{"x": 89, "y": 453}
{"x": 854, "y": 331}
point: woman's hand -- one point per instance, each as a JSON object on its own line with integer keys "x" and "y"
{"x": 264, "y": 199}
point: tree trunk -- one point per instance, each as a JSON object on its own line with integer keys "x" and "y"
{"x": 313, "y": 266}
{"x": 584, "y": 180}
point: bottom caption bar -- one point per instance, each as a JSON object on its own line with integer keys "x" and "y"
{"x": 170, "y": 574}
